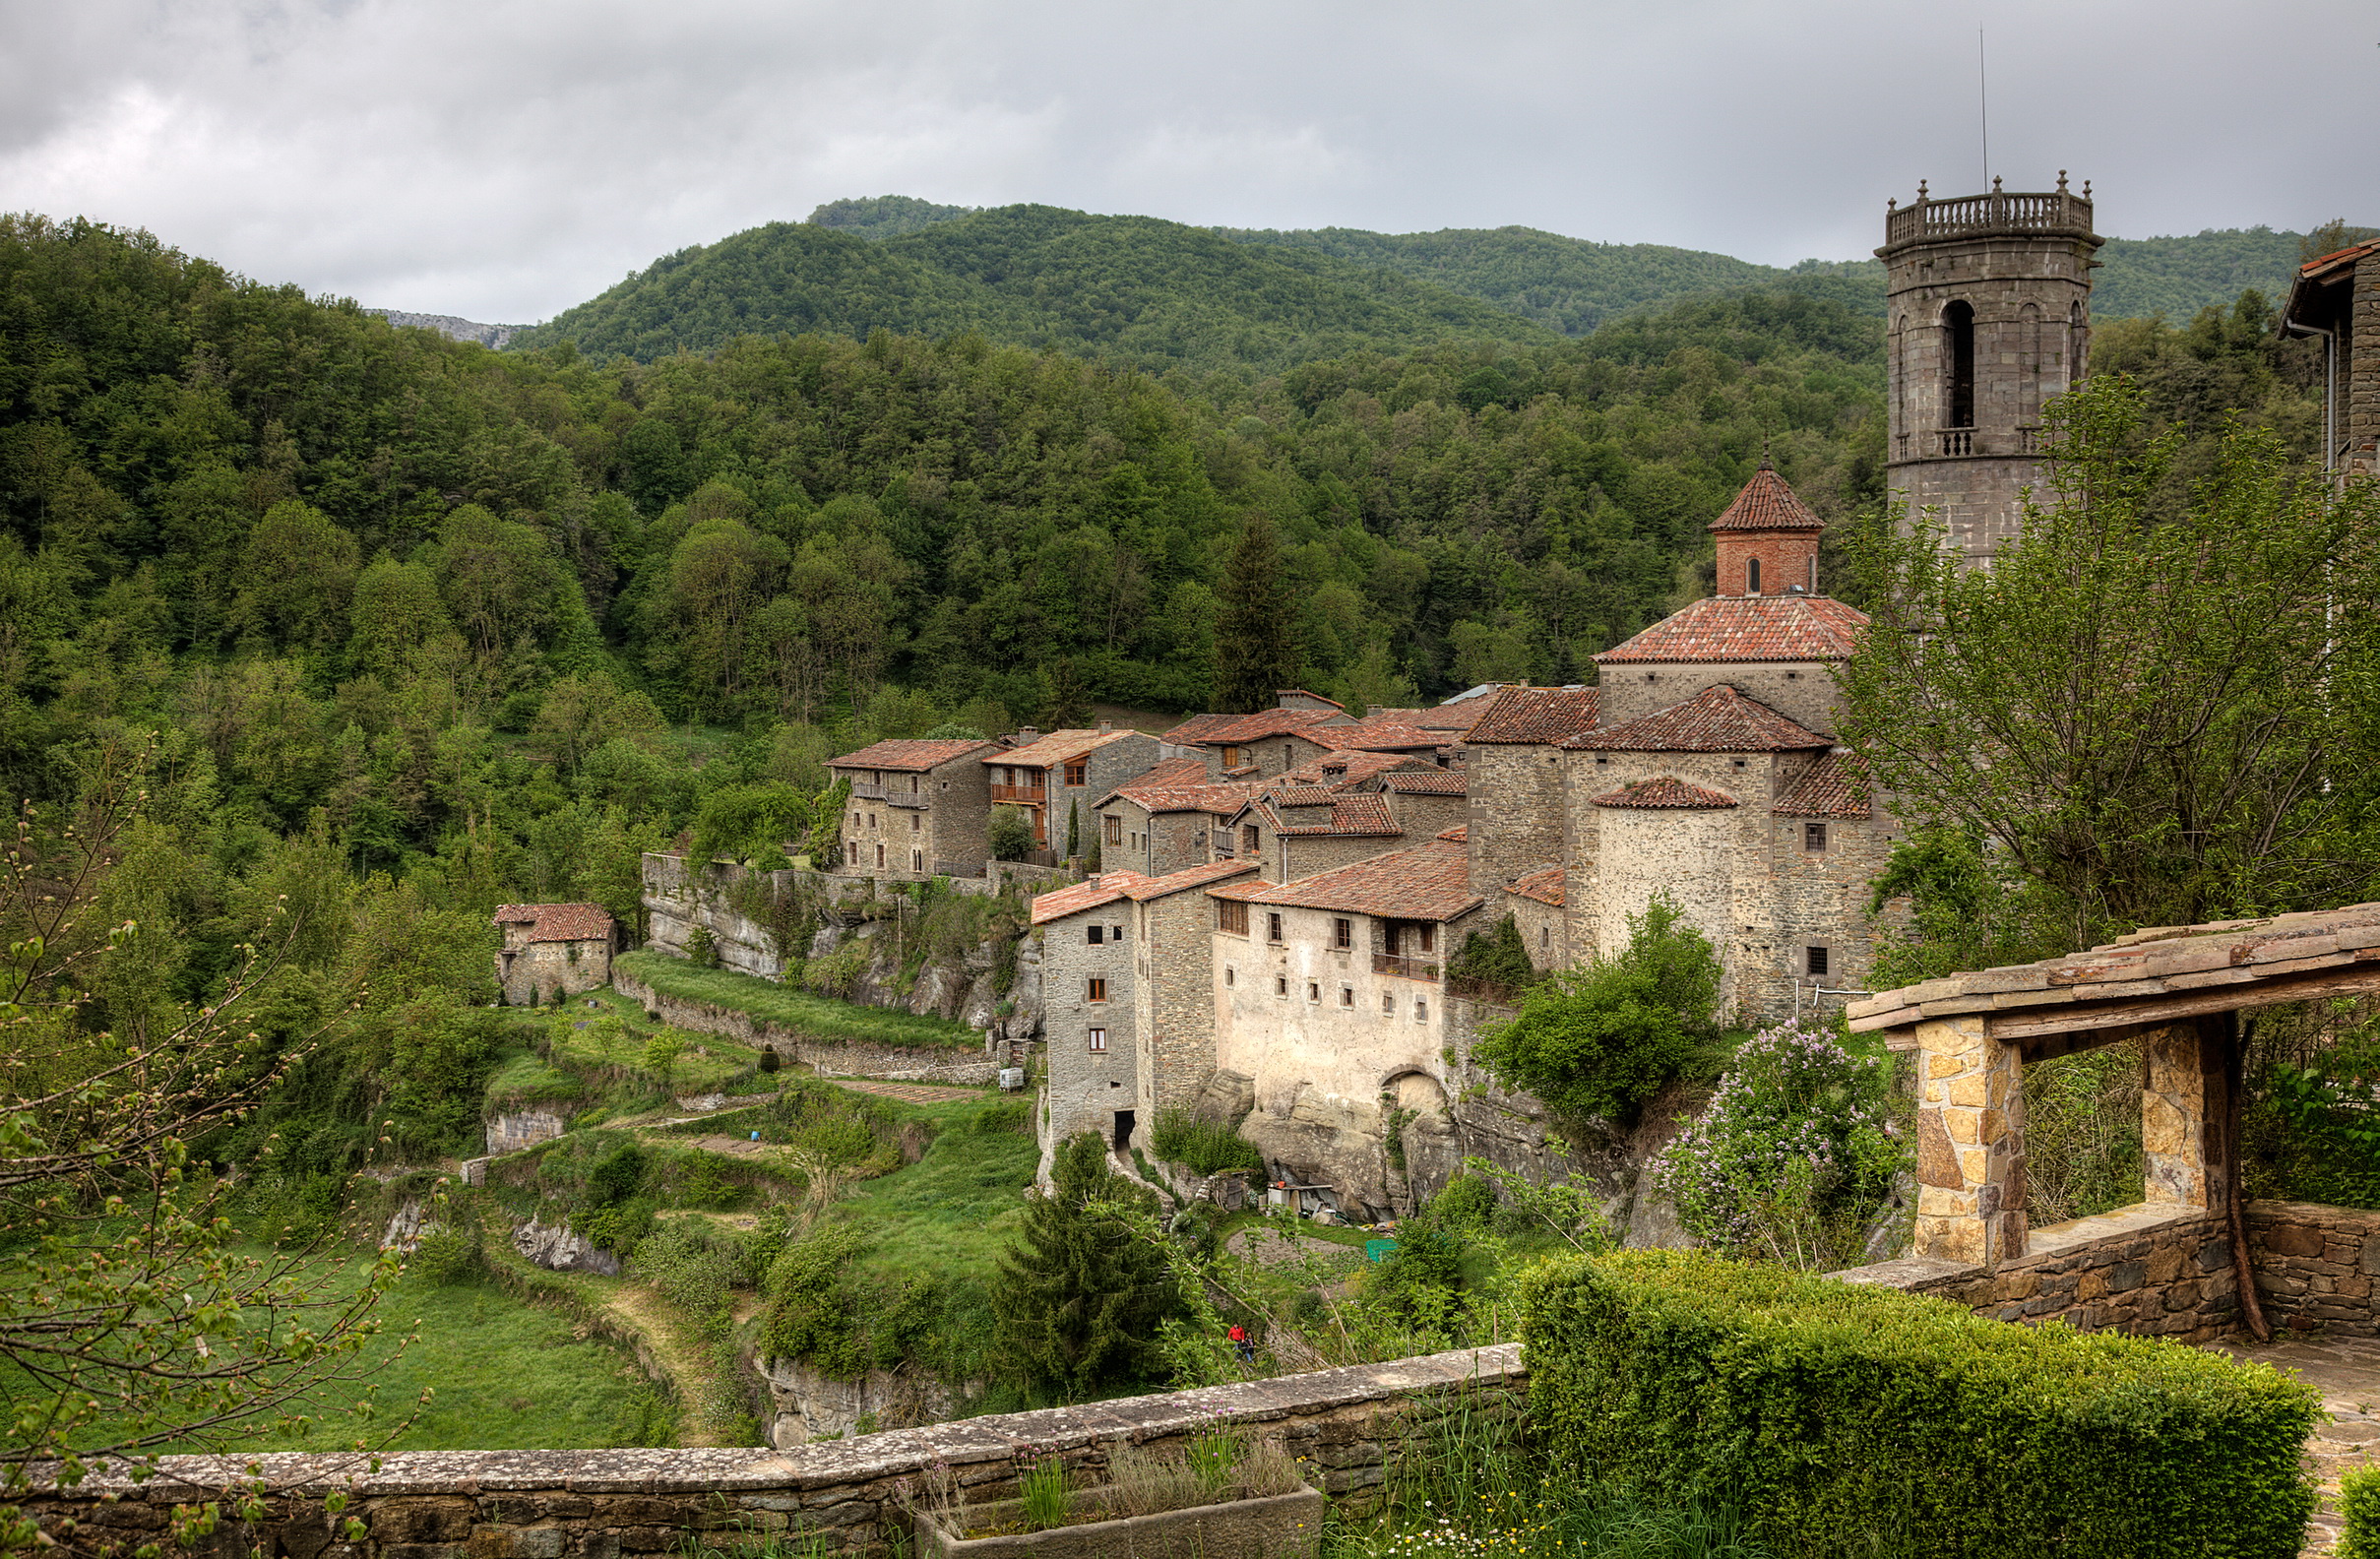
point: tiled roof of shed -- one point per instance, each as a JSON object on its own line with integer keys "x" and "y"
{"x": 1745, "y": 628}
{"x": 1716, "y": 719}
{"x": 1059, "y": 746}
{"x": 1090, "y": 894}
{"x": 908, "y": 755}
{"x": 1525, "y": 714}
{"x": 1429, "y": 882}
{"x": 1544, "y": 885}
{"x": 1834, "y": 787}
{"x": 558, "y": 923}
{"x": 1665, "y": 793}
{"x": 1426, "y": 782}
{"x": 1768, "y": 504}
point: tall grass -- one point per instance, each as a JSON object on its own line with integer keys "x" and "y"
{"x": 818, "y": 1016}
{"x": 1203, "y": 1146}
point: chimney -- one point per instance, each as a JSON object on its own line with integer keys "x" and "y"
{"x": 1026, "y": 735}
{"x": 1106, "y": 728}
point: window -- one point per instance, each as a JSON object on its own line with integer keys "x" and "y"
{"x": 1388, "y": 1005}
{"x": 916, "y": 824}
{"x": 917, "y": 860}
{"x": 912, "y": 785}
{"x": 1092, "y": 934}
{"x": 1751, "y": 576}
{"x": 1544, "y": 937}
{"x": 1313, "y": 990}
{"x": 1248, "y": 839}
{"x": 1272, "y": 928}
{"x": 1229, "y": 977}
{"x": 1231, "y": 915}
{"x": 1346, "y": 995}
{"x": 1429, "y": 936}
{"x": 1817, "y": 960}
{"x": 1115, "y": 830}
{"x": 1343, "y": 932}
{"x": 1231, "y": 757}
{"x": 1813, "y": 835}
{"x": 854, "y": 817}
{"x": 1074, "y": 774}
{"x": 880, "y": 855}
{"x": 1281, "y": 986}
{"x": 1094, "y": 990}
{"x": 1115, "y": 933}
{"x": 1959, "y": 356}
{"x": 1099, "y": 1041}
{"x": 1420, "y": 1009}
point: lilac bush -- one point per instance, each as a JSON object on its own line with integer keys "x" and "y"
{"x": 1796, "y": 1156}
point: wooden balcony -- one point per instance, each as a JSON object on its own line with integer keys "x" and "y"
{"x": 866, "y": 792}
{"x": 1403, "y": 967}
{"x": 1020, "y": 795}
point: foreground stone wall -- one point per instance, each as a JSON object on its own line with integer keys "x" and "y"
{"x": 1347, "y": 1424}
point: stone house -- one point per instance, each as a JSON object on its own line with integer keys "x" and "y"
{"x": 553, "y": 948}
{"x": 1329, "y": 1000}
{"x": 1266, "y": 743}
{"x": 2337, "y": 297}
{"x": 1128, "y": 1005}
{"x": 1296, "y": 831}
{"x": 1053, "y": 778}
{"x": 1167, "y": 819}
{"x": 918, "y": 809}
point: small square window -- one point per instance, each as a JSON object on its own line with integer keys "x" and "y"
{"x": 1248, "y": 838}
{"x": 1074, "y": 774}
{"x": 1388, "y": 1004}
{"x": 1420, "y": 1009}
{"x": 1094, "y": 990}
{"x": 1094, "y": 934}
{"x": 1115, "y": 933}
{"x": 1098, "y": 1040}
{"x": 1817, "y": 960}
{"x": 1313, "y": 990}
{"x": 1231, "y": 914}
{"x": 1813, "y": 835}
{"x": 1281, "y": 986}
{"x": 1346, "y": 995}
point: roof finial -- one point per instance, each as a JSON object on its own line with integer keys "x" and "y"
{"x": 1922, "y": 191}
{"x": 1996, "y": 183}
{"x": 2061, "y": 181}
{"x": 1766, "y": 464}
{"x": 2086, "y": 189}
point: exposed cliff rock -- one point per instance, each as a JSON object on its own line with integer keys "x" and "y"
{"x": 452, "y": 328}
{"x": 812, "y": 1406}
{"x": 559, "y": 1248}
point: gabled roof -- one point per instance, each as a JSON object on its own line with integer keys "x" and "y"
{"x": 1734, "y": 627}
{"x": 1353, "y": 813}
{"x": 1666, "y": 794}
{"x": 910, "y": 755}
{"x": 1170, "y": 774}
{"x": 1426, "y": 782}
{"x": 1192, "y": 731}
{"x": 1106, "y": 888}
{"x": 1285, "y": 692}
{"x": 1059, "y": 746}
{"x": 1203, "y": 874}
{"x": 1768, "y": 504}
{"x": 1355, "y": 767}
{"x": 1271, "y": 723}
{"x": 1544, "y": 885}
{"x": 1716, "y": 719}
{"x": 1429, "y": 882}
{"x": 2316, "y": 293}
{"x": 1834, "y": 787}
{"x": 1530, "y": 714}
{"x": 1377, "y": 734}
{"x": 558, "y": 923}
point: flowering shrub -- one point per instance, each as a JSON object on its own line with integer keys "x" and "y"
{"x": 1795, "y": 1156}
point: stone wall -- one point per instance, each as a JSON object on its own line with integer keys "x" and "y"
{"x": 1176, "y": 1000}
{"x": 1514, "y": 813}
{"x": 839, "y": 1057}
{"x": 1087, "y": 1089}
{"x": 514, "y": 1130}
{"x": 1347, "y": 1424}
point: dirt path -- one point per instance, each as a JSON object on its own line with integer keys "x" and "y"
{"x": 908, "y": 1092}
{"x": 690, "y": 1368}
{"x": 2347, "y": 1371}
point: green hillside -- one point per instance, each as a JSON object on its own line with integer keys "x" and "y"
{"x": 1152, "y": 293}
{"x": 2178, "y": 276}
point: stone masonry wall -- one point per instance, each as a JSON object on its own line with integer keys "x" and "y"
{"x": 1347, "y": 1424}
{"x": 1514, "y": 813}
{"x": 1085, "y": 1088}
{"x": 1175, "y": 991}
{"x": 837, "y": 1057}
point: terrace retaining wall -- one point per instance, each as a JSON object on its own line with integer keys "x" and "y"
{"x": 839, "y": 1057}
{"x": 1346, "y": 1423}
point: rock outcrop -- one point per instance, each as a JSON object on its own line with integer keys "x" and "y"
{"x": 812, "y": 1406}
{"x": 560, "y": 1248}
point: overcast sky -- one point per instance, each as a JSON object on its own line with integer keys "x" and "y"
{"x": 501, "y": 160}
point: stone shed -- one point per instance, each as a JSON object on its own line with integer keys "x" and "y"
{"x": 554, "y": 947}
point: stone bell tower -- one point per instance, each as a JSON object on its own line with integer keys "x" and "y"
{"x": 1988, "y": 314}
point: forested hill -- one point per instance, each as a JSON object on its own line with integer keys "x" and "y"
{"x": 1132, "y": 289}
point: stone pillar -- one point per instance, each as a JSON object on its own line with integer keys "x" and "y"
{"x": 2181, "y": 1087}
{"x": 1970, "y": 1144}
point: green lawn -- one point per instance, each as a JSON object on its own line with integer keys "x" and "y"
{"x": 817, "y": 1017}
{"x": 955, "y": 1209}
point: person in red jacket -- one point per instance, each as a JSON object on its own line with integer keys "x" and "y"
{"x": 1240, "y": 1345}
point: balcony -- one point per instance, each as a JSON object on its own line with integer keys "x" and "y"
{"x": 866, "y": 792}
{"x": 1403, "y": 967}
{"x": 906, "y": 798}
{"x": 1954, "y": 441}
{"x": 1975, "y": 215}
{"x": 1020, "y": 795}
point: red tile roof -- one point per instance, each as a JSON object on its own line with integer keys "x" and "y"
{"x": 1189, "y": 877}
{"x": 1522, "y": 715}
{"x": 1355, "y": 767}
{"x": 1459, "y": 834}
{"x": 1059, "y": 746}
{"x": 1106, "y": 888}
{"x": 908, "y": 755}
{"x": 1544, "y": 885}
{"x": 1352, "y": 812}
{"x": 1192, "y": 731}
{"x": 1222, "y": 800}
{"x": 1429, "y": 882}
{"x": 1376, "y": 734}
{"x": 1270, "y": 722}
{"x": 1745, "y": 628}
{"x": 1172, "y": 775}
{"x": 1768, "y": 504}
{"x": 1664, "y": 794}
{"x": 1426, "y": 782}
{"x": 1716, "y": 719}
{"x": 560, "y": 922}
{"x": 1834, "y": 787}
{"x": 2315, "y": 268}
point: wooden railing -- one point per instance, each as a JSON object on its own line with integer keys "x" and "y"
{"x": 1405, "y": 967}
{"x": 2057, "y": 212}
{"x": 1031, "y": 795}
{"x": 905, "y": 798}
{"x": 866, "y": 792}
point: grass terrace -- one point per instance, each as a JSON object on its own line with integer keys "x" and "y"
{"x": 815, "y": 1017}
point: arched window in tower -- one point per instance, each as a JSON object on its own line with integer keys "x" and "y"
{"x": 1959, "y": 361}
{"x": 1751, "y": 576}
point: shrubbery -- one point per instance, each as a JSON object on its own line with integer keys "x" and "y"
{"x": 1860, "y": 1420}
{"x": 2359, "y": 1505}
{"x": 1200, "y": 1146}
{"x": 1795, "y": 1158}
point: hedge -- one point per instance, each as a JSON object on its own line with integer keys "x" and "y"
{"x": 1851, "y": 1418}
{"x": 2359, "y": 1505}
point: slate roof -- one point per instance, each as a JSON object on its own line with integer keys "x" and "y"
{"x": 1745, "y": 628}
{"x": 1266, "y": 723}
{"x": 2158, "y": 973}
{"x": 1429, "y": 882}
{"x": 904, "y": 756}
{"x": 1426, "y": 782}
{"x": 1059, "y": 746}
{"x": 558, "y": 923}
{"x": 1768, "y": 504}
{"x": 1834, "y": 787}
{"x": 1524, "y": 714}
{"x": 1090, "y": 894}
{"x": 1665, "y": 793}
{"x": 1716, "y": 719}
{"x": 1544, "y": 885}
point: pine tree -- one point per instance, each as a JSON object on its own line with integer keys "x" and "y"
{"x": 1082, "y": 1296}
{"x": 1257, "y": 651}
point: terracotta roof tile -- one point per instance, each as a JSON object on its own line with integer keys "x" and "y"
{"x": 1460, "y": 834}
{"x": 1666, "y": 794}
{"x": 1059, "y": 746}
{"x": 1768, "y": 504}
{"x": 1271, "y": 723}
{"x": 1544, "y": 885}
{"x": 1834, "y": 787}
{"x": 1222, "y": 800}
{"x": 1189, "y": 877}
{"x": 908, "y": 755}
{"x": 1172, "y": 775}
{"x": 1429, "y": 882}
{"x": 1716, "y": 719}
{"x": 1192, "y": 731}
{"x": 1745, "y": 628}
{"x": 1528, "y": 715}
{"x": 1352, "y": 812}
{"x": 1106, "y": 888}
{"x": 1302, "y": 693}
{"x": 1354, "y": 767}
{"x": 1426, "y": 782}
{"x": 560, "y": 922}
{"x": 1375, "y": 735}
